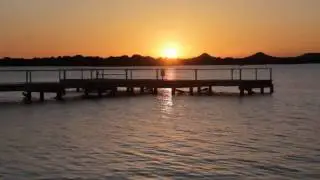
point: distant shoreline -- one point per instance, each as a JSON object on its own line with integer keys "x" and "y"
{"x": 138, "y": 60}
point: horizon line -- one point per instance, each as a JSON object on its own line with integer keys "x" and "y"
{"x": 178, "y": 58}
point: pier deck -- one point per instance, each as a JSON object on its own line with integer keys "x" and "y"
{"x": 103, "y": 81}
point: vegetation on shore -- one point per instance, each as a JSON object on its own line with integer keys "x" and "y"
{"x": 138, "y": 60}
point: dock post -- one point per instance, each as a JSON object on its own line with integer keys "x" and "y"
{"x": 173, "y": 91}
{"x": 41, "y": 96}
{"x": 130, "y": 90}
{"x": 271, "y": 89}
{"x": 100, "y": 93}
{"x": 97, "y": 74}
{"x": 157, "y": 74}
{"x": 27, "y": 97}
{"x": 191, "y": 91}
{"x": 126, "y": 72}
{"x": 196, "y": 74}
{"x": 250, "y": 91}
{"x": 210, "y": 90}
{"x": 199, "y": 90}
{"x": 82, "y": 75}
{"x": 141, "y": 90}
{"x": 30, "y": 76}
{"x": 232, "y": 73}
{"x": 131, "y": 74}
{"x": 64, "y": 75}
{"x": 27, "y": 76}
{"x": 262, "y": 90}
{"x": 86, "y": 92}
{"x": 241, "y": 92}
{"x": 114, "y": 91}
{"x": 59, "y": 96}
{"x": 256, "y": 73}
{"x": 155, "y": 91}
{"x": 59, "y": 74}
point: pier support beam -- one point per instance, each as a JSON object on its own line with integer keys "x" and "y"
{"x": 113, "y": 91}
{"x": 86, "y": 92}
{"x": 173, "y": 91}
{"x": 130, "y": 90}
{"x": 155, "y": 91}
{"x": 250, "y": 91}
{"x": 27, "y": 97}
{"x": 210, "y": 90}
{"x": 141, "y": 90}
{"x": 241, "y": 92}
{"x": 199, "y": 90}
{"x": 100, "y": 93}
{"x": 271, "y": 89}
{"x": 41, "y": 96}
{"x": 59, "y": 96}
{"x": 191, "y": 91}
{"x": 262, "y": 90}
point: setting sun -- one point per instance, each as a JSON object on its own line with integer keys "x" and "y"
{"x": 171, "y": 50}
{"x": 170, "y": 53}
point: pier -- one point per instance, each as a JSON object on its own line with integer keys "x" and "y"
{"x": 109, "y": 81}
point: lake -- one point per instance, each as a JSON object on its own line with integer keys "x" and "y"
{"x": 167, "y": 137}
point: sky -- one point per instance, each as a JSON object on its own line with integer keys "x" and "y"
{"x": 224, "y": 28}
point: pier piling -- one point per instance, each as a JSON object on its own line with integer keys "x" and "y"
{"x": 191, "y": 91}
{"x": 210, "y": 90}
{"x": 41, "y": 96}
{"x": 173, "y": 91}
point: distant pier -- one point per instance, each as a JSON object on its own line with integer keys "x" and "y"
{"x": 108, "y": 82}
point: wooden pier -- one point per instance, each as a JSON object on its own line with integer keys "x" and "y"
{"x": 110, "y": 81}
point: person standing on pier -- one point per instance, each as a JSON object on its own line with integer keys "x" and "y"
{"x": 163, "y": 74}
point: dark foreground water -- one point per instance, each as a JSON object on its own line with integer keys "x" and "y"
{"x": 165, "y": 137}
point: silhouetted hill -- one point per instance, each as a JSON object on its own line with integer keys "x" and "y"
{"x": 203, "y": 59}
{"x": 259, "y": 58}
{"x": 260, "y": 55}
{"x": 139, "y": 60}
{"x": 309, "y": 57}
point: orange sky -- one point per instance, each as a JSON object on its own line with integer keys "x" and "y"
{"x": 117, "y": 27}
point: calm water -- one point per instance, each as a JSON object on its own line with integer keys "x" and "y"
{"x": 165, "y": 137}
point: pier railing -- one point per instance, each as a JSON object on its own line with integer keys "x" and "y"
{"x": 55, "y": 75}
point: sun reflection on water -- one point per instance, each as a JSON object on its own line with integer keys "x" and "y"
{"x": 165, "y": 97}
{"x": 166, "y": 101}
{"x": 171, "y": 74}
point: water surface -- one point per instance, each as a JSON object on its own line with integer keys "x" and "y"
{"x": 168, "y": 137}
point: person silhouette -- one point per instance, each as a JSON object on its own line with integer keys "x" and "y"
{"x": 163, "y": 74}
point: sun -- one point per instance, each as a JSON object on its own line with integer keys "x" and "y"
{"x": 170, "y": 53}
{"x": 171, "y": 50}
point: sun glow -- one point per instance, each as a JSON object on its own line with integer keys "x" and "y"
{"x": 171, "y": 51}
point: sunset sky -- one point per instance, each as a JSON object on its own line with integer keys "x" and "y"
{"x": 237, "y": 28}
